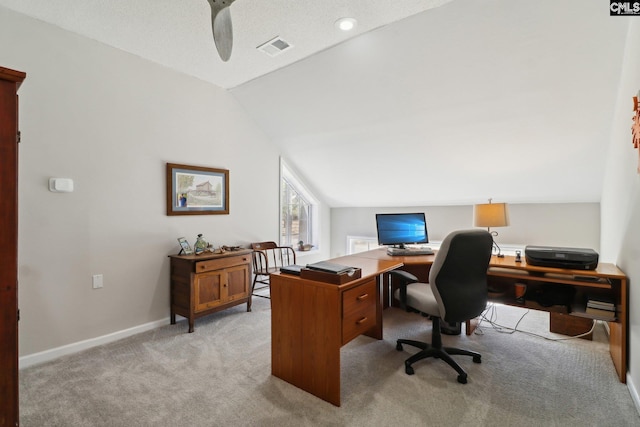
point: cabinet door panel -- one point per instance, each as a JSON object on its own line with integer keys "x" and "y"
{"x": 208, "y": 290}
{"x": 238, "y": 282}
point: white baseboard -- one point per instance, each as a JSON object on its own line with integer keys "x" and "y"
{"x": 54, "y": 353}
{"x": 634, "y": 392}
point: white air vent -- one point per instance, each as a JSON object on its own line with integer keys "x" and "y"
{"x": 275, "y": 47}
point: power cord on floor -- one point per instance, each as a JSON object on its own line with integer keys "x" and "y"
{"x": 490, "y": 315}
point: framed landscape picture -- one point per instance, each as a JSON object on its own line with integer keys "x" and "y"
{"x": 197, "y": 190}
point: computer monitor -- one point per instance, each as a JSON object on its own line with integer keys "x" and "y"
{"x": 400, "y": 229}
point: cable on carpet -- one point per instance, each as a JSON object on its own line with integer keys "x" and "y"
{"x": 490, "y": 315}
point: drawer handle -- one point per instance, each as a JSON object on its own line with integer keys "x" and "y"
{"x": 361, "y": 321}
{"x": 363, "y": 296}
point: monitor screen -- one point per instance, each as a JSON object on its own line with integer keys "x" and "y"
{"x": 401, "y": 229}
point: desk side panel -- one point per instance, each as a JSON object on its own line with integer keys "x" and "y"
{"x": 322, "y": 338}
{"x": 306, "y": 335}
{"x": 286, "y": 329}
{"x": 619, "y": 334}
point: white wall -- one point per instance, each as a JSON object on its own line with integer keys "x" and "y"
{"x": 553, "y": 224}
{"x": 110, "y": 121}
{"x": 621, "y": 198}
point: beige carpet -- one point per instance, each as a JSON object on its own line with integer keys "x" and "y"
{"x": 220, "y": 376}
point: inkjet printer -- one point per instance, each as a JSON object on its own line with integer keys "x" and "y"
{"x": 556, "y": 257}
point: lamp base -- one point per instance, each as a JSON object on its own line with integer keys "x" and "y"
{"x": 496, "y": 247}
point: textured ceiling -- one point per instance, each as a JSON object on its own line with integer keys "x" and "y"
{"x": 178, "y": 34}
{"x": 427, "y": 102}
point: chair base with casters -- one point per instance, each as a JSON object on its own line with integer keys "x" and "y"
{"x": 436, "y": 350}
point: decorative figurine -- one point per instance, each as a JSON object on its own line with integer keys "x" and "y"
{"x": 201, "y": 245}
{"x": 303, "y": 247}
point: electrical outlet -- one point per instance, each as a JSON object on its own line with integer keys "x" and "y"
{"x": 97, "y": 281}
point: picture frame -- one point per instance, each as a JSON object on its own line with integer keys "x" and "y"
{"x": 197, "y": 190}
{"x": 185, "y": 247}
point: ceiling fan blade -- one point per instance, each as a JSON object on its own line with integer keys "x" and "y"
{"x": 222, "y": 27}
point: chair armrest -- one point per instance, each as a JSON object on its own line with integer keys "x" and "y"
{"x": 260, "y": 262}
{"x": 286, "y": 254}
{"x": 405, "y": 279}
{"x": 404, "y": 276}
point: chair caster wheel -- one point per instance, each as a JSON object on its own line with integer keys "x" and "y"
{"x": 477, "y": 359}
{"x": 462, "y": 379}
{"x": 399, "y": 347}
{"x": 408, "y": 370}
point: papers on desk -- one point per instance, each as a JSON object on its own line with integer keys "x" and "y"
{"x": 330, "y": 267}
{"x": 291, "y": 269}
{"x": 330, "y": 272}
{"x": 601, "y": 305}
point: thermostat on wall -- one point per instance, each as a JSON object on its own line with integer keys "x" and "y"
{"x": 61, "y": 185}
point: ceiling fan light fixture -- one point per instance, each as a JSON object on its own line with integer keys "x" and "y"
{"x": 346, "y": 24}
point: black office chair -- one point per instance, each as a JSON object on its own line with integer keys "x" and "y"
{"x": 456, "y": 292}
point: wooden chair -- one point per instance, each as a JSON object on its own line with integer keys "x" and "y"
{"x": 267, "y": 258}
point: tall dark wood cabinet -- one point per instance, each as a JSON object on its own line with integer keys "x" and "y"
{"x": 10, "y": 81}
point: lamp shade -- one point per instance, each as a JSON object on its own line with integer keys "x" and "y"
{"x": 491, "y": 215}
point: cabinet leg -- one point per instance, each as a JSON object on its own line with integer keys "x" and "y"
{"x": 173, "y": 318}
{"x": 249, "y": 304}
{"x": 191, "y": 325}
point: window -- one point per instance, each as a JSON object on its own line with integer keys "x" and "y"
{"x": 298, "y": 210}
{"x": 356, "y": 244}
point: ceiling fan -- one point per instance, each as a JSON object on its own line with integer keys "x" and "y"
{"x": 222, "y": 28}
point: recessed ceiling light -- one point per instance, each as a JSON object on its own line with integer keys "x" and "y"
{"x": 346, "y": 24}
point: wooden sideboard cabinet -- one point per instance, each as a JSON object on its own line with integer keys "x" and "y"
{"x": 204, "y": 284}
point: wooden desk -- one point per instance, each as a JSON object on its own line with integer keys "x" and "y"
{"x": 505, "y": 272}
{"x": 311, "y": 320}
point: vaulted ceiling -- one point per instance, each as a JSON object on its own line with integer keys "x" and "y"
{"x": 426, "y": 102}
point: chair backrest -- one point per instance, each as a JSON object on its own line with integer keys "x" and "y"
{"x": 269, "y": 257}
{"x": 263, "y": 245}
{"x": 458, "y": 276}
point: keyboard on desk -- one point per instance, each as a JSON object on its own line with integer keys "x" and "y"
{"x": 409, "y": 251}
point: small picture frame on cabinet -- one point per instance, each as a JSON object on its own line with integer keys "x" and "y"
{"x": 185, "y": 247}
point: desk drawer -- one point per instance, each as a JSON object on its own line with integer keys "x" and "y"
{"x": 358, "y": 310}
{"x": 219, "y": 263}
